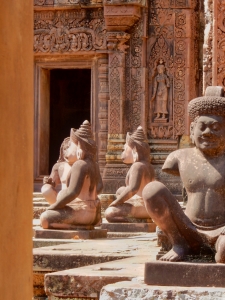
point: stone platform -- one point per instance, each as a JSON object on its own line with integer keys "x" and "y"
{"x": 137, "y": 290}
{"x": 81, "y": 233}
{"x": 129, "y": 227}
{"x": 88, "y": 253}
{"x": 185, "y": 274}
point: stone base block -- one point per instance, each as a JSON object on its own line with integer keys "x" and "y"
{"x": 86, "y": 233}
{"x": 185, "y": 274}
{"x": 129, "y": 227}
{"x": 138, "y": 290}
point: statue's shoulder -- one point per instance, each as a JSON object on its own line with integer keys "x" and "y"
{"x": 173, "y": 160}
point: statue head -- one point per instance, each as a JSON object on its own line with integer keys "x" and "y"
{"x": 208, "y": 121}
{"x": 160, "y": 69}
{"x": 63, "y": 148}
{"x": 136, "y": 147}
{"x": 83, "y": 138}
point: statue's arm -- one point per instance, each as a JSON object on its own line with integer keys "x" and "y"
{"x": 53, "y": 178}
{"x": 154, "y": 89}
{"x": 78, "y": 174}
{"x": 171, "y": 165}
{"x": 135, "y": 178}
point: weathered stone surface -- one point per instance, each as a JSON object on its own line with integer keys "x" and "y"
{"x": 85, "y": 232}
{"x": 136, "y": 290}
{"x": 185, "y": 274}
{"x": 129, "y": 227}
{"x": 38, "y": 243}
{"x": 86, "y": 253}
{"x": 88, "y": 281}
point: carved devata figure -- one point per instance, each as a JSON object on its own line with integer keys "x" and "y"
{"x": 59, "y": 172}
{"x": 78, "y": 204}
{"x": 160, "y": 93}
{"x": 202, "y": 170}
{"x": 129, "y": 203}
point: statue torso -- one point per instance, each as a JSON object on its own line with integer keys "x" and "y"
{"x": 204, "y": 180}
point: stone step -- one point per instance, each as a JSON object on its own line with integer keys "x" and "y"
{"x": 81, "y": 253}
{"x": 40, "y": 204}
{"x": 37, "y": 195}
{"x": 88, "y": 281}
{"x": 84, "y": 232}
{"x": 39, "y": 199}
{"x": 137, "y": 289}
{"x": 129, "y": 227}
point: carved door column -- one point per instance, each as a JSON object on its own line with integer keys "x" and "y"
{"x": 103, "y": 97}
{"x": 115, "y": 171}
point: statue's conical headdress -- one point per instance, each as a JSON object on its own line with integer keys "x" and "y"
{"x": 84, "y": 134}
{"x": 138, "y": 136}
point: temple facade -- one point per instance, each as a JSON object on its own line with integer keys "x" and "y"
{"x": 121, "y": 64}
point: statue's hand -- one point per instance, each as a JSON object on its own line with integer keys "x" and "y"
{"x": 48, "y": 180}
{"x": 116, "y": 203}
{"x": 52, "y": 207}
{"x": 153, "y": 98}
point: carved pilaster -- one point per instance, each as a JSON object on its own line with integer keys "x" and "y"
{"x": 103, "y": 97}
{"x": 218, "y": 66}
{"x": 173, "y": 69}
{"x": 116, "y": 132}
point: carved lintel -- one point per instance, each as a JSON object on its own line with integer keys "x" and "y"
{"x": 127, "y": 2}
{"x": 121, "y": 17}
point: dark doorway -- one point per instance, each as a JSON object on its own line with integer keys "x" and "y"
{"x": 70, "y": 102}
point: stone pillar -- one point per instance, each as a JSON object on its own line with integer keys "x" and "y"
{"x": 16, "y": 150}
{"x": 115, "y": 170}
{"x": 103, "y": 97}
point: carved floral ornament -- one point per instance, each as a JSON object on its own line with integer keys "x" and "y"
{"x": 69, "y": 31}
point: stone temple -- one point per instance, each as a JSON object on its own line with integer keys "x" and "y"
{"x": 120, "y": 64}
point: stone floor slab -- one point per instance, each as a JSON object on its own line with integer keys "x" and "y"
{"x": 185, "y": 274}
{"x": 84, "y": 232}
{"x": 129, "y": 227}
{"x": 86, "y": 252}
{"x": 131, "y": 290}
{"x": 88, "y": 281}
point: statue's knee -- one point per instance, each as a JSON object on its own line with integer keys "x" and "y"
{"x": 46, "y": 188}
{"x": 110, "y": 214}
{"x": 153, "y": 190}
{"x": 220, "y": 254}
{"x": 44, "y": 220}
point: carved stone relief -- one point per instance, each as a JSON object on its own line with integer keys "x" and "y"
{"x": 171, "y": 66}
{"x": 69, "y": 31}
{"x": 134, "y": 77}
{"x": 207, "y": 47}
{"x": 219, "y": 36}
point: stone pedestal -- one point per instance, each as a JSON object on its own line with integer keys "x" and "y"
{"x": 185, "y": 274}
{"x": 82, "y": 232}
{"x": 129, "y": 227}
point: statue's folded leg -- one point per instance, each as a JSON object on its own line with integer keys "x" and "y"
{"x": 118, "y": 214}
{"x": 76, "y": 214}
{"x": 49, "y": 192}
{"x": 220, "y": 249}
{"x": 166, "y": 212}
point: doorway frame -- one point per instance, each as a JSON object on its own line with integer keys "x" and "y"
{"x": 42, "y": 68}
